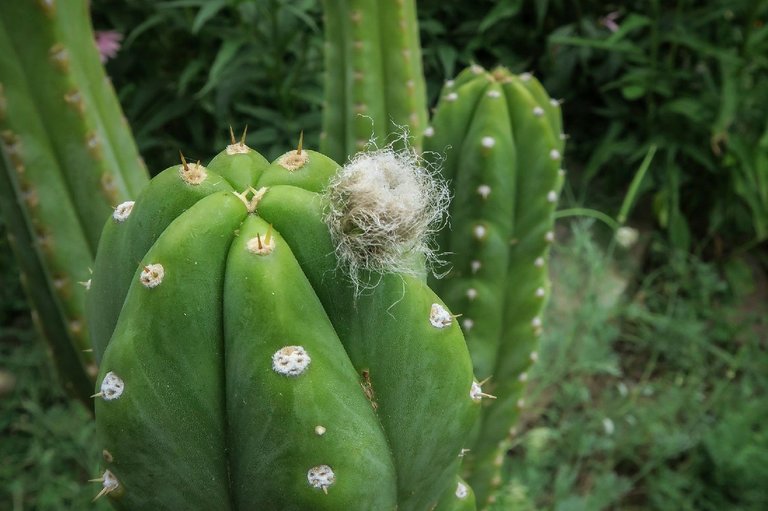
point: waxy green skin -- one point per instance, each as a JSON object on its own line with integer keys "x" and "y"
{"x": 68, "y": 160}
{"x": 504, "y": 135}
{"x": 204, "y": 421}
{"x": 374, "y": 81}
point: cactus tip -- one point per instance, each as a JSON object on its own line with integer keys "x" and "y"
{"x": 236, "y": 147}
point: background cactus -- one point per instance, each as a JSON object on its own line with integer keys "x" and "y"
{"x": 241, "y": 369}
{"x": 68, "y": 159}
{"x": 501, "y": 137}
{"x": 374, "y": 82}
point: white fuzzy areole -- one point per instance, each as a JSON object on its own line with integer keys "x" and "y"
{"x": 449, "y": 83}
{"x": 526, "y": 77}
{"x": 534, "y": 356}
{"x": 429, "y": 132}
{"x": 493, "y": 94}
{"x": 540, "y": 292}
{"x": 538, "y": 111}
{"x": 552, "y": 196}
{"x": 471, "y": 293}
{"x": 536, "y": 322}
{"x": 523, "y": 377}
{"x": 321, "y": 477}
{"x": 110, "y": 481}
{"x": 112, "y": 387}
{"x": 479, "y": 232}
{"x": 476, "y": 392}
{"x": 237, "y": 148}
{"x": 192, "y": 173}
{"x": 320, "y": 430}
{"x": 554, "y": 154}
{"x": 290, "y": 361}
{"x": 488, "y": 142}
{"x": 461, "y": 491}
{"x": 475, "y": 266}
{"x": 123, "y": 211}
{"x": 484, "y": 191}
{"x": 468, "y": 324}
{"x": 452, "y": 97}
{"x": 383, "y": 205}
{"x": 539, "y": 262}
{"x": 549, "y": 236}
{"x": 152, "y": 275}
{"x": 439, "y": 316}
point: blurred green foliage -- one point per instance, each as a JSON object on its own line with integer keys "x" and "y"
{"x": 687, "y": 76}
{"x": 649, "y": 393}
{"x": 189, "y": 69}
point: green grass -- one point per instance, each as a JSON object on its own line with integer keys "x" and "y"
{"x": 650, "y": 390}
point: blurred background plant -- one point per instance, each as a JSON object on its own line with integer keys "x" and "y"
{"x": 651, "y": 387}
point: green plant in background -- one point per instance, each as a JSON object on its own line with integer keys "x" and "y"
{"x": 374, "y": 82}
{"x": 225, "y": 297}
{"x": 67, "y": 159}
{"x": 649, "y": 394}
{"x": 503, "y": 143}
{"x": 214, "y": 63}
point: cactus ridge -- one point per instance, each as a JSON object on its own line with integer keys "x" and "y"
{"x": 504, "y": 156}
{"x": 374, "y": 83}
{"x": 219, "y": 303}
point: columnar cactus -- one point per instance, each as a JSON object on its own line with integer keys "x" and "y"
{"x": 374, "y": 82}
{"x": 240, "y": 368}
{"x": 68, "y": 159}
{"x": 501, "y": 136}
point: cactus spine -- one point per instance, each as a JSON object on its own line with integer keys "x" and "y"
{"x": 69, "y": 159}
{"x": 240, "y": 369}
{"x": 374, "y": 82}
{"x": 504, "y": 162}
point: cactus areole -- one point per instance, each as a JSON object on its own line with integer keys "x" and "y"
{"x": 240, "y": 369}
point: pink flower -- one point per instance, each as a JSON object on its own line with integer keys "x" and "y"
{"x": 609, "y": 21}
{"x": 108, "y": 43}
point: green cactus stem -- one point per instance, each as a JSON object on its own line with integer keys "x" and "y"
{"x": 374, "y": 81}
{"x": 69, "y": 159}
{"x": 504, "y": 165}
{"x": 242, "y": 369}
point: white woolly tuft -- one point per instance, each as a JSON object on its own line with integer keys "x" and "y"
{"x": 383, "y": 207}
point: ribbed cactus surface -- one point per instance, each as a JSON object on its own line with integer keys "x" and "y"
{"x": 500, "y": 135}
{"x": 241, "y": 369}
{"x": 68, "y": 159}
{"x": 374, "y": 82}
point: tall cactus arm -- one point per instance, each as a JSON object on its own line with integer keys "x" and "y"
{"x": 64, "y": 88}
{"x": 47, "y": 310}
{"x": 69, "y": 152}
{"x": 501, "y": 137}
{"x": 374, "y": 80}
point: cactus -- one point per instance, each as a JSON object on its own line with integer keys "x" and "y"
{"x": 241, "y": 368}
{"x": 502, "y": 134}
{"x": 68, "y": 158}
{"x": 374, "y": 82}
